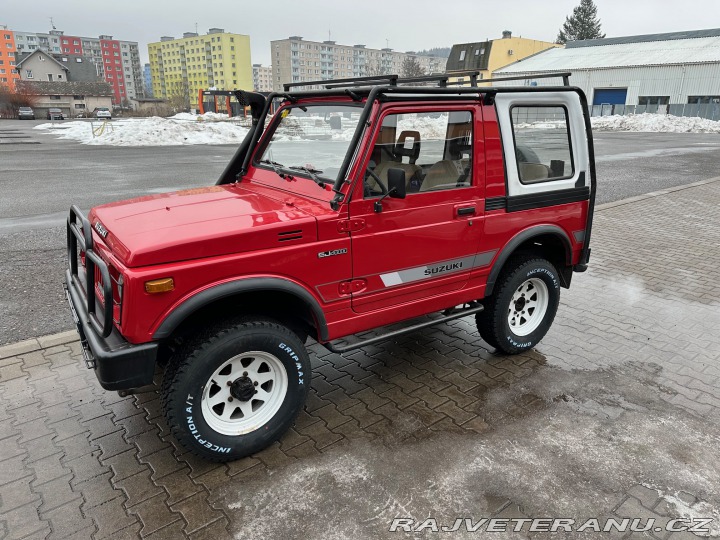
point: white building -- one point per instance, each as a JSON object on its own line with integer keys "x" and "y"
{"x": 262, "y": 78}
{"x": 295, "y": 60}
{"x": 677, "y": 72}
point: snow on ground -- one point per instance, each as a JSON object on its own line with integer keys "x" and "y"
{"x": 213, "y": 128}
{"x": 655, "y": 123}
{"x": 181, "y": 129}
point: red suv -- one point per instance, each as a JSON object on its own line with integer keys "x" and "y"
{"x": 349, "y": 208}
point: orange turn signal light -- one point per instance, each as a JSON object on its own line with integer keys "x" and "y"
{"x": 159, "y": 285}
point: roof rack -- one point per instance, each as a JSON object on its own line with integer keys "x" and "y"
{"x": 442, "y": 80}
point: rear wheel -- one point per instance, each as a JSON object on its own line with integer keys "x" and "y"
{"x": 236, "y": 390}
{"x": 520, "y": 312}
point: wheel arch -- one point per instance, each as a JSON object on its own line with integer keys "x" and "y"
{"x": 555, "y": 246}
{"x": 228, "y": 295}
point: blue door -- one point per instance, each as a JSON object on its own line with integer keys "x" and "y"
{"x": 610, "y": 96}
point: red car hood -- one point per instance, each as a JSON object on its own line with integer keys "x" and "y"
{"x": 197, "y": 223}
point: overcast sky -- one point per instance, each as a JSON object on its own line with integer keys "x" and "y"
{"x": 407, "y": 25}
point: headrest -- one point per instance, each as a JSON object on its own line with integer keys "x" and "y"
{"x": 459, "y": 146}
{"x": 413, "y": 152}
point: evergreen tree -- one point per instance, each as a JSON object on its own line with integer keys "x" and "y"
{"x": 582, "y": 24}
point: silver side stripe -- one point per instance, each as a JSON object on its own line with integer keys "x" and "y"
{"x": 439, "y": 269}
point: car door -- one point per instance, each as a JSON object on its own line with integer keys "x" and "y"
{"x": 427, "y": 243}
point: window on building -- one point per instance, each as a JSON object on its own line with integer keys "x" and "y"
{"x": 2, "y": 70}
{"x": 79, "y": 97}
{"x": 55, "y": 98}
{"x": 79, "y": 105}
{"x": 703, "y": 99}
{"x": 542, "y": 139}
{"x": 654, "y": 100}
{"x": 29, "y": 73}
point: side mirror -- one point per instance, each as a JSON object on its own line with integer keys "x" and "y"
{"x": 396, "y": 183}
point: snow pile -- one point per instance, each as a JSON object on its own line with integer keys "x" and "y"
{"x": 155, "y": 131}
{"x": 655, "y": 123}
{"x": 207, "y": 117}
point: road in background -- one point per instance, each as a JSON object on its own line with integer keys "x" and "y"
{"x": 41, "y": 176}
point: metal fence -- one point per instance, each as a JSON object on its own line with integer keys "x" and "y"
{"x": 711, "y": 111}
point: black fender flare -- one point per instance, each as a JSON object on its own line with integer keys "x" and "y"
{"x": 521, "y": 237}
{"x": 232, "y": 288}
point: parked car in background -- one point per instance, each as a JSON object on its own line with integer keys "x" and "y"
{"x": 55, "y": 114}
{"x": 26, "y": 113}
{"x": 103, "y": 113}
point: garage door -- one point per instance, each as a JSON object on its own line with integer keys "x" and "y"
{"x": 613, "y": 96}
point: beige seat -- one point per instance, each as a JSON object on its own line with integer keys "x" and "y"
{"x": 446, "y": 174}
{"x": 533, "y": 172}
{"x": 399, "y": 150}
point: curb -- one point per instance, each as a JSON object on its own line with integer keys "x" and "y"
{"x": 42, "y": 342}
{"x": 36, "y": 344}
{"x": 652, "y": 194}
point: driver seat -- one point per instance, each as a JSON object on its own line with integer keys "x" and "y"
{"x": 400, "y": 150}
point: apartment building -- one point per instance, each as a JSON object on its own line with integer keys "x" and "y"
{"x": 8, "y": 71}
{"x": 117, "y": 61}
{"x": 295, "y": 60}
{"x": 262, "y": 78}
{"x": 147, "y": 75}
{"x": 181, "y": 67}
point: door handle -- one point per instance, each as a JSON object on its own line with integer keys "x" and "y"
{"x": 466, "y": 211}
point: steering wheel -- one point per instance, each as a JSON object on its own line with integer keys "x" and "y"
{"x": 370, "y": 172}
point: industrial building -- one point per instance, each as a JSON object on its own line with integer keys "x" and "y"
{"x": 677, "y": 72}
{"x": 181, "y": 67}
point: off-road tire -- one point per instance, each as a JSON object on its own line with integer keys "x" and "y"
{"x": 194, "y": 365}
{"x": 493, "y": 322}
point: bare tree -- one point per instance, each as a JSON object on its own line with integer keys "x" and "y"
{"x": 373, "y": 68}
{"x": 411, "y": 67}
{"x": 11, "y": 99}
{"x": 178, "y": 97}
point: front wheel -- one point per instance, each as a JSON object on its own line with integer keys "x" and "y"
{"x": 234, "y": 392}
{"x": 520, "y": 312}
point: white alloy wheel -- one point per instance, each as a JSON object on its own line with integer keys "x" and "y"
{"x": 528, "y": 306}
{"x": 244, "y": 393}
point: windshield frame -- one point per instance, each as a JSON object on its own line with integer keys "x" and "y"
{"x": 269, "y": 131}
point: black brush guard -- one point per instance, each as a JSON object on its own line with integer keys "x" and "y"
{"x": 118, "y": 365}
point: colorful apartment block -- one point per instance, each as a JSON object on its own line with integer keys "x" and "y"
{"x": 117, "y": 61}
{"x": 181, "y": 67}
{"x": 8, "y": 71}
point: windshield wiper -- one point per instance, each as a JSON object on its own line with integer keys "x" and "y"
{"x": 312, "y": 173}
{"x": 276, "y": 167}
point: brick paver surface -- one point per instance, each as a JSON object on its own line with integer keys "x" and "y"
{"x": 636, "y": 339}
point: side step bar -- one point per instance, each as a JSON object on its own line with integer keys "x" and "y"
{"x": 452, "y": 314}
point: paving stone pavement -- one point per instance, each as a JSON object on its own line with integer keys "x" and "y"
{"x": 616, "y": 413}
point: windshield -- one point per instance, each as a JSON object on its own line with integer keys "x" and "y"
{"x": 312, "y": 140}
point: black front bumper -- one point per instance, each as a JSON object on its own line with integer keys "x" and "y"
{"x": 118, "y": 364}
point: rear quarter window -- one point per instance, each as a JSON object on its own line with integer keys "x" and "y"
{"x": 542, "y": 143}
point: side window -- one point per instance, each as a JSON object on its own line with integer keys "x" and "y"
{"x": 433, "y": 149}
{"x": 542, "y": 143}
